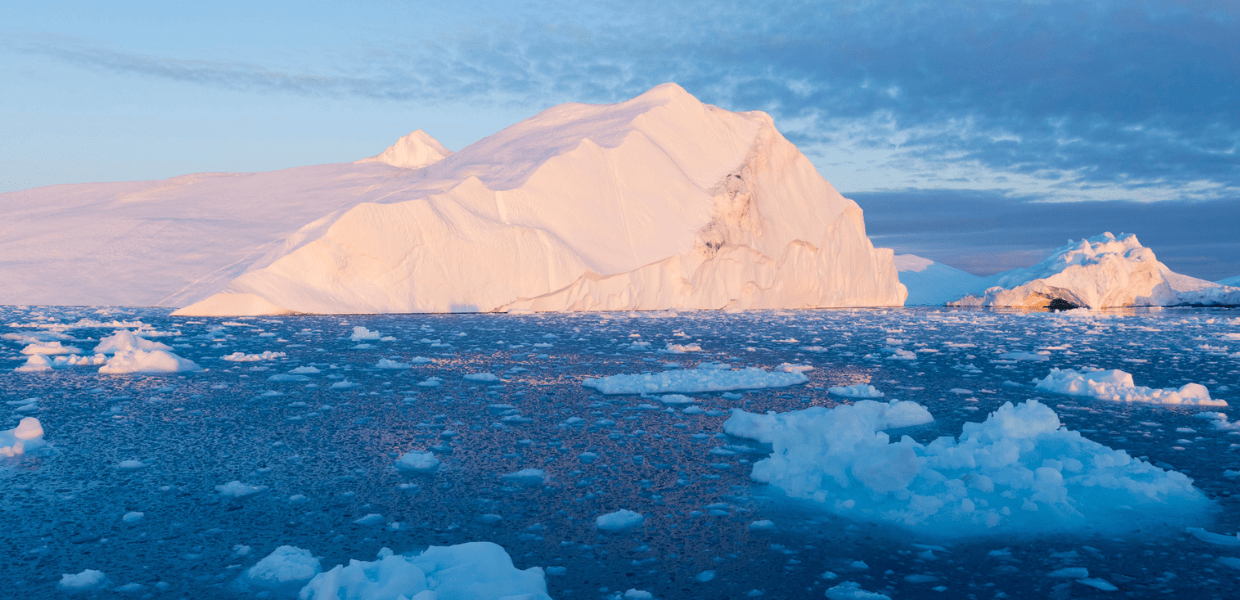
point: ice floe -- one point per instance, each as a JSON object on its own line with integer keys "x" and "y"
{"x": 286, "y": 570}
{"x": 1118, "y": 386}
{"x": 418, "y": 462}
{"x": 26, "y": 437}
{"x": 469, "y": 571}
{"x": 1018, "y": 470}
{"x": 710, "y": 377}
{"x": 620, "y": 520}
{"x": 861, "y": 390}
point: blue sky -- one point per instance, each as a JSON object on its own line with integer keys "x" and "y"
{"x": 941, "y": 119}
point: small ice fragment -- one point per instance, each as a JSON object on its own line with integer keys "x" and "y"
{"x": 418, "y": 462}
{"x": 620, "y": 520}
{"x": 369, "y": 520}
{"x": 861, "y": 390}
{"x": 286, "y": 569}
{"x": 851, "y": 590}
{"x": 1101, "y": 584}
{"x": 1069, "y": 573}
{"x": 87, "y": 580}
{"x": 526, "y": 477}
{"x": 236, "y": 489}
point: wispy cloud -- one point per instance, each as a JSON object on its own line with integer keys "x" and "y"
{"x": 1065, "y": 99}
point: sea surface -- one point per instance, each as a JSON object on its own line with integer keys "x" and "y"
{"x": 324, "y": 446}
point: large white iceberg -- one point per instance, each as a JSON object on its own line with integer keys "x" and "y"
{"x": 1099, "y": 272}
{"x": 1020, "y": 470}
{"x": 654, "y": 203}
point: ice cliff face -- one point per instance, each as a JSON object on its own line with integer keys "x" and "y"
{"x": 658, "y": 202}
{"x": 1100, "y": 272}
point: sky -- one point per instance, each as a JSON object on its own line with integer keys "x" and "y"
{"x": 981, "y": 134}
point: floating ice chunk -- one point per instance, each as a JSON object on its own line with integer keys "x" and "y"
{"x": 26, "y": 437}
{"x": 791, "y": 368}
{"x": 620, "y": 520}
{"x": 344, "y": 385}
{"x": 369, "y": 520}
{"x": 126, "y": 340}
{"x": 636, "y": 594}
{"x": 146, "y": 361}
{"x": 129, "y": 465}
{"x": 483, "y": 377}
{"x": 1214, "y": 538}
{"x": 237, "y": 490}
{"x": 705, "y": 378}
{"x": 361, "y": 334}
{"x": 526, "y": 477}
{"x": 676, "y": 399}
{"x": 861, "y": 390}
{"x": 851, "y": 590}
{"x": 50, "y": 348}
{"x": 86, "y": 581}
{"x": 243, "y": 357}
{"x": 391, "y": 364}
{"x": 132, "y": 517}
{"x": 1219, "y": 420}
{"x": 286, "y": 570}
{"x": 280, "y": 377}
{"x": 1117, "y": 386}
{"x": 681, "y": 348}
{"x": 901, "y": 354}
{"x": 40, "y": 362}
{"x": 1069, "y": 573}
{"x": 418, "y": 462}
{"x": 1018, "y": 470}
{"x": 704, "y": 576}
{"x": 1100, "y": 584}
{"x": 762, "y": 525}
{"x": 305, "y": 371}
{"x": 475, "y": 570}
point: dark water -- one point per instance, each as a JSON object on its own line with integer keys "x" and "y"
{"x": 326, "y": 454}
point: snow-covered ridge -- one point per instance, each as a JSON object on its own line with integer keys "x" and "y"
{"x": 654, "y": 203}
{"x": 1100, "y": 272}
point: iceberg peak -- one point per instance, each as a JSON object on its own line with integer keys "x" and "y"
{"x": 413, "y": 151}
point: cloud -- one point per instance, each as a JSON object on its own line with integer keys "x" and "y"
{"x": 1066, "y": 99}
{"x": 987, "y": 232}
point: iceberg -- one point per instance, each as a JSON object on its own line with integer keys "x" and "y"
{"x": 932, "y": 283}
{"x": 659, "y": 202}
{"x": 1100, "y": 272}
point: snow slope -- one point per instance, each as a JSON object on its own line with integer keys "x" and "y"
{"x": 934, "y": 284}
{"x": 658, "y": 202}
{"x": 413, "y": 151}
{"x": 1231, "y": 281}
{"x": 1100, "y": 272}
